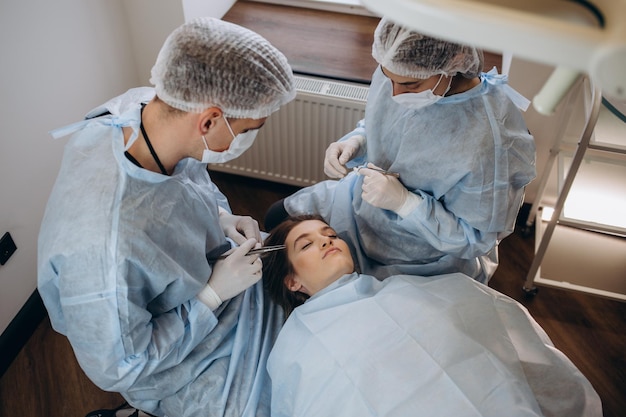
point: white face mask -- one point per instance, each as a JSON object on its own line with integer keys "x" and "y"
{"x": 422, "y": 99}
{"x": 239, "y": 145}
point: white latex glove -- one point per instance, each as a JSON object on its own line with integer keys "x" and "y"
{"x": 386, "y": 192}
{"x": 239, "y": 228}
{"x": 339, "y": 153}
{"x": 236, "y": 273}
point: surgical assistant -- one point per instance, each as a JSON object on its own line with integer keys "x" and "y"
{"x": 464, "y": 155}
{"x": 134, "y": 218}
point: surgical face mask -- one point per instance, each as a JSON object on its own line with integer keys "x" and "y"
{"x": 239, "y": 145}
{"x": 422, "y": 99}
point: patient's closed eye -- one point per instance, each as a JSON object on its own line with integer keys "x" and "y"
{"x": 307, "y": 244}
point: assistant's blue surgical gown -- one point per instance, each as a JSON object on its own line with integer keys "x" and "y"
{"x": 469, "y": 157}
{"x": 122, "y": 254}
{"x": 409, "y": 346}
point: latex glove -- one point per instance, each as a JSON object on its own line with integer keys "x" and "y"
{"x": 239, "y": 228}
{"x": 237, "y": 272}
{"x": 339, "y": 153}
{"x": 386, "y": 192}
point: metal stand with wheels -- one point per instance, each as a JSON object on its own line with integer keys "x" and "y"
{"x": 529, "y": 287}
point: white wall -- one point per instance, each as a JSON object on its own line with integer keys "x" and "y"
{"x": 150, "y": 22}
{"x": 58, "y": 60}
{"x": 213, "y": 8}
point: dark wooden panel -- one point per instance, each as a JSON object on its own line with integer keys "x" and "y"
{"x": 314, "y": 41}
{"x": 318, "y": 42}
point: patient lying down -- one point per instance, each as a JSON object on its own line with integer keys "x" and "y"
{"x": 405, "y": 346}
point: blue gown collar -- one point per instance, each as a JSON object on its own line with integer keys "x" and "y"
{"x": 493, "y": 78}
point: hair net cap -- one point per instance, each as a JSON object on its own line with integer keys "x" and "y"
{"x": 207, "y": 62}
{"x": 414, "y": 55}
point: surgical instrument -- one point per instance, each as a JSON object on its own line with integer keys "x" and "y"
{"x": 258, "y": 251}
{"x": 382, "y": 171}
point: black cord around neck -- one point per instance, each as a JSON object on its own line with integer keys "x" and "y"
{"x": 152, "y": 151}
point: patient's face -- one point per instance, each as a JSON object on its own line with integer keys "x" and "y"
{"x": 317, "y": 256}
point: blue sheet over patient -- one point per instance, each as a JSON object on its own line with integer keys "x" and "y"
{"x": 415, "y": 346}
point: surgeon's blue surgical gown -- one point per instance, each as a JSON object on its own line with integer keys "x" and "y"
{"x": 469, "y": 156}
{"x": 122, "y": 254}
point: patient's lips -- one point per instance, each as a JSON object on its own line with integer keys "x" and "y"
{"x": 332, "y": 249}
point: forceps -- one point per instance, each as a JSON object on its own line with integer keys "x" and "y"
{"x": 258, "y": 251}
{"x": 382, "y": 171}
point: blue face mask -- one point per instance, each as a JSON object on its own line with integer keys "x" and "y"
{"x": 422, "y": 99}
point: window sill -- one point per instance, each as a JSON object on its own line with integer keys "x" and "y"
{"x": 339, "y": 6}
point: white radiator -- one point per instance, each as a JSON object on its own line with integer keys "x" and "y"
{"x": 291, "y": 145}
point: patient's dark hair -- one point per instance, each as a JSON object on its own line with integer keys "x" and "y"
{"x": 276, "y": 265}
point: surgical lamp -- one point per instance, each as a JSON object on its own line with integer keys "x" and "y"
{"x": 575, "y": 36}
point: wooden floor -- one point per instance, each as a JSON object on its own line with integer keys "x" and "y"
{"x": 45, "y": 380}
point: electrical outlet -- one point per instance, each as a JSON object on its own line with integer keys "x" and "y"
{"x": 7, "y": 248}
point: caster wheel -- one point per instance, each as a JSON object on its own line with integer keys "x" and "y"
{"x": 527, "y": 231}
{"x": 530, "y": 292}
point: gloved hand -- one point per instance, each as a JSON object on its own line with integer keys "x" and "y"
{"x": 339, "y": 153}
{"x": 386, "y": 192}
{"x": 239, "y": 228}
{"x": 237, "y": 272}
